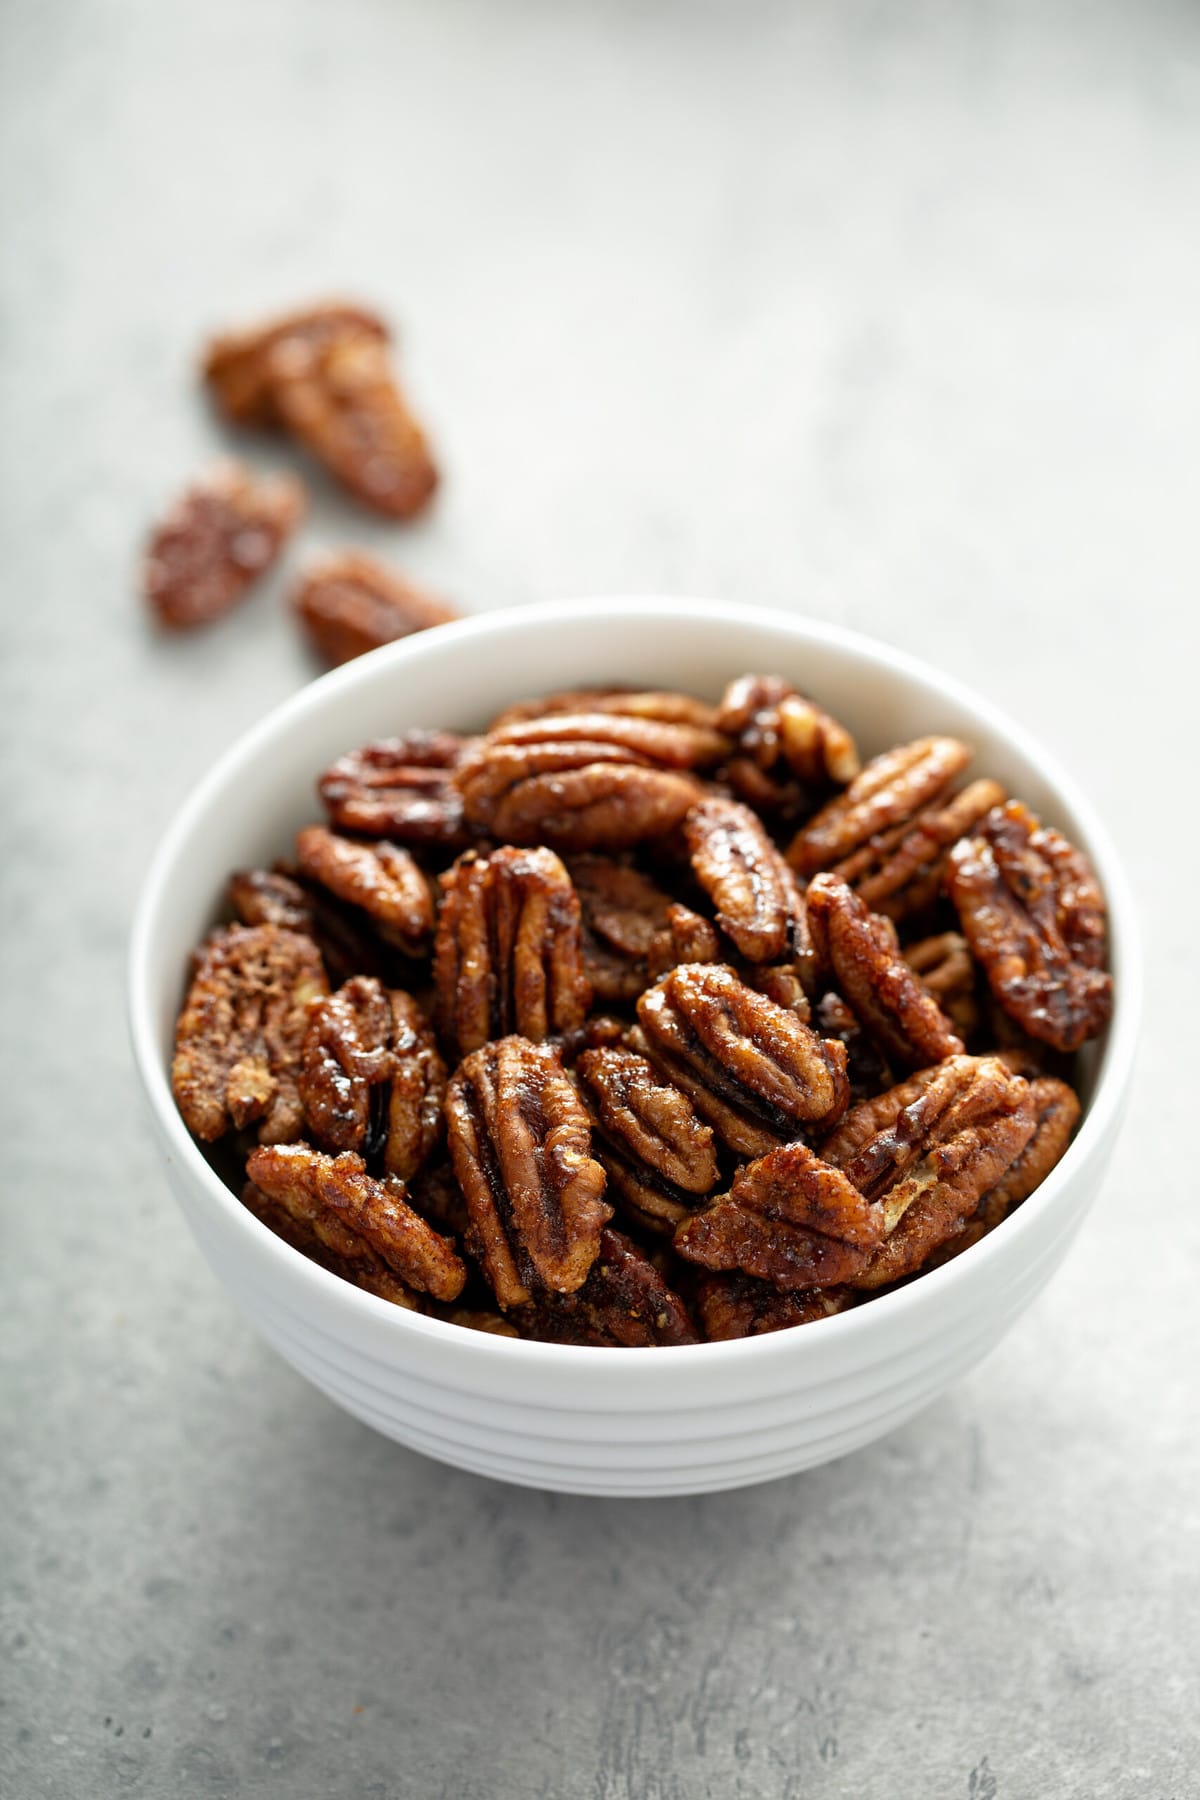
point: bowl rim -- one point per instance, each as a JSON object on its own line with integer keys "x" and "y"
{"x": 1100, "y": 1118}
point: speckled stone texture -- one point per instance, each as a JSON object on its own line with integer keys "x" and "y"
{"x": 888, "y": 312}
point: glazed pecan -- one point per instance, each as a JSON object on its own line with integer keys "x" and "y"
{"x": 346, "y": 1053}
{"x": 1056, "y": 1111}
{"x": 521, "y": 1147}
{"x": 751, "y": 887}
{"x": 434, "y": 1193}
{"x": 624, "y": 1302}
{"x": 400, "y": 788}
{"x": 351, "y": 603}
{"x": 738, "y": 1306}
{"x": 754, "y": 1071}
{"x": 633, "y": 703}
{"x": 659, "y": 1156}
{"x": 632, "y": 931}
{"x": 237, "y": 364}
{"x": 866, "y": 1068}
{"x": 947, "y": 971}
{"x": 901, "y": 872}
{"x": 216, "y": 541}
{"x": 268, "y": 897}
{"x": 315, "y": 1234}
{"x": 237, "y": 1042}
{"x": 888, "y": 793}
{"x": 859, "y": 948}
{"x": 583, "y": 781}
{"x": 1034, "y": 916}
{"x": 341, "y": 1202}
{"x": 418, "y": 1090}
{"x": 509, "y": 955}
{"x": 787, "y": 750}
{"x": 380, "y": 878}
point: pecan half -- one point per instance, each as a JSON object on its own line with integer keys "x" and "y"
{"x": 399, "y": 788}
{"x": 751, "y": 887}
{"x": 738, "y": 1306}
{"x": 380, "y": 878}
{"x": 237, "y": 1042}
{"x": 1033, "y": 913}
{"x": 315, "y": 1234}
{"x": 659, "y": 1155}
{"x": 1056, "y": 1110}
{"x": 521, "y": 1146}
{"x": 237, "y": 364}
{"x": 787, "y": 750}
{"x": 889, "y": 792}
{"x": 220, "y": 536}
{"x": 859, "y": 947}
{"x": 509, "y": 955}
{"x": 268, "y": 897}
{"x": 332, "y": 1192}
{"x": 351, "y": 603}
{"x": 347, "y": 1052}
{"x": 753, "y": 1070}
{"x": 624, "y": 1302}
{"x": 900, "y": 872}
{"x": 418, "y": 1090}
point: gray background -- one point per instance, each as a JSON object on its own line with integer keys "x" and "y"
{"x": 884, "y": 312}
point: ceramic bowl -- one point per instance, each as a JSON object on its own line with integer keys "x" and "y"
{"x": 592, "y": 1421}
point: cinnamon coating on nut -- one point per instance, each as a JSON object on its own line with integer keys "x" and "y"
{"x": 380, "y": 878}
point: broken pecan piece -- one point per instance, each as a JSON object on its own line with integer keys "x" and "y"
{"x": 509, "y": 955}
{"x": 753, "y": 1070}
{"x": 624, "y": 1302}
{"x": 220, "y": 536}
{"x": 237, "y": 364}
{"x": 659, "y": 1155}
{"x": 335, "y": 1196}
{"x": 237, "y": 1042}
{"x": 787, "y": 750}
{"x": 751, "y": 887}
{"x": 399, "y": 788}
{"x": 316, "y": 1234}
{"x": 1033, "y": 913}
{"x": 521, "y": 1146}
{"x": 351, "y": 603}
{"x": 346, "y": 1053}
{"x": 380, "y": 878}
{"x": 888, "y": 792}
{"x": 738, "y": 1306}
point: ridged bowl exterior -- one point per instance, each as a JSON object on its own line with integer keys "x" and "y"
{"x": 635, "y": 1422}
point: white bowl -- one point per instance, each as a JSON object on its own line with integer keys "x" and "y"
{"x": 590, "y": 1421}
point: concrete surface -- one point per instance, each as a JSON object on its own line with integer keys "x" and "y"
{"x": 888, "y": 312}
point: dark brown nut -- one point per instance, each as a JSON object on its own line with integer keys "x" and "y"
{"x": 890, "y": 791}
{"x": 867, "y": 1069}
{"x": 521, "y": 1147}
{"x": 380, "y": 878}
{"x": 237, "y": 1043}
{"x": 340, "y": 398}
{"x": 787, "y": 749}
{"x": 751, "y": 887}
{"x": 659, "y": 1156}
{"x": 666, "y": 708}
{"x": 400, "y": 788}
{"x": 738, "y": 1306}
{"x": 346, "y": 1053}
{"x": 351, "y": 603}
{"x": 781, "y": 983}
{"x": 434, "y": 1193}
{"x": 624, "y": 1302}
{"x": 926, "y": 1154}
{"x": 1033, "y": 913}
{"x": 859, "y": 948}
{"x": 625, "y": 917}
{"x": 1056, "y": 1109}
{"x": 946, "y": 970}
{"x": 332, "y": 1192}
{"x": 237, "y": 364}
{"x": 753, "y": 1071}
{"x": 689, "y": 938}
{"x": 900, "y": 872}
{"x": 418, "y": 1091}
{"x": 356, "y": 1262}
{"x": 216, "y": 541}
{"x": 268, "y": 897}
{"x": 509, "y": 955}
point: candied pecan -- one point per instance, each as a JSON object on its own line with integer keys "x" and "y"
{"x": 625, "y": 915}
{"x": 340, "y": 398}
{"x": 738, "y": 1306}
{"x": 434, "y": 1193}
{"x": 743, "y": 874}
{"x": 521, "y": 1147}
{"x": 787, "y": 749}
{"x": 624, "y": 1302}
{"x": 688, "y": 938}
{"x": 781, "y": 983}
{"x": 346, "y": 1053}
{"x": 353, "y": 1259}
{"x": 865, "y": 1067}
{"x": 237, "y": 364}
{"x": 400, "y": 788}
{"x": 418, "y": 1090}
{"x": 1034, "y": 916}
{"x": 659, "y": 1156}
{"x": 1056, "y": 1109}
{"x": 900, "y": 872}
{"x": 947, "y": 971}
{"x": 859, "y": 947}
{"x": 509, "y": 955}
{"x": 341, "y": 1202}
{"x": 380, "y": 878}
{"x": 583, "y": 781}
{"x": 667, "y": 708}
{"x": 754, "y": 1071}
{"x": 237, "y": 1042}
{"x": 268, "y": 897}
{"x": 888, "y": 792}
{"x": 351, "y": 603}
{"x": 220, "y": 536}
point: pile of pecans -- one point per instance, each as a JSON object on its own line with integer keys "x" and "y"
{"x": 638, "y": 1020}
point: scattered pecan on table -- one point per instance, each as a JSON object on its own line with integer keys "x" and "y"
{"x": 807, "y": 1029}
{"x": 216, "y": 541}
{"x": 351, "y": 603}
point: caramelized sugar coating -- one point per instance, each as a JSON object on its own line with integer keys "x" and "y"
{"x": 400, "y": 788}
{"x": 660, "y": 1156}
{"x": 351, "y": 603}
{"x": 752, "y": 890}
{"x": 738, "y": 1306}
{"x": 624, "y": 1302}
{"x": 380, "y": 878}
{"x": 889, "y": 792}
